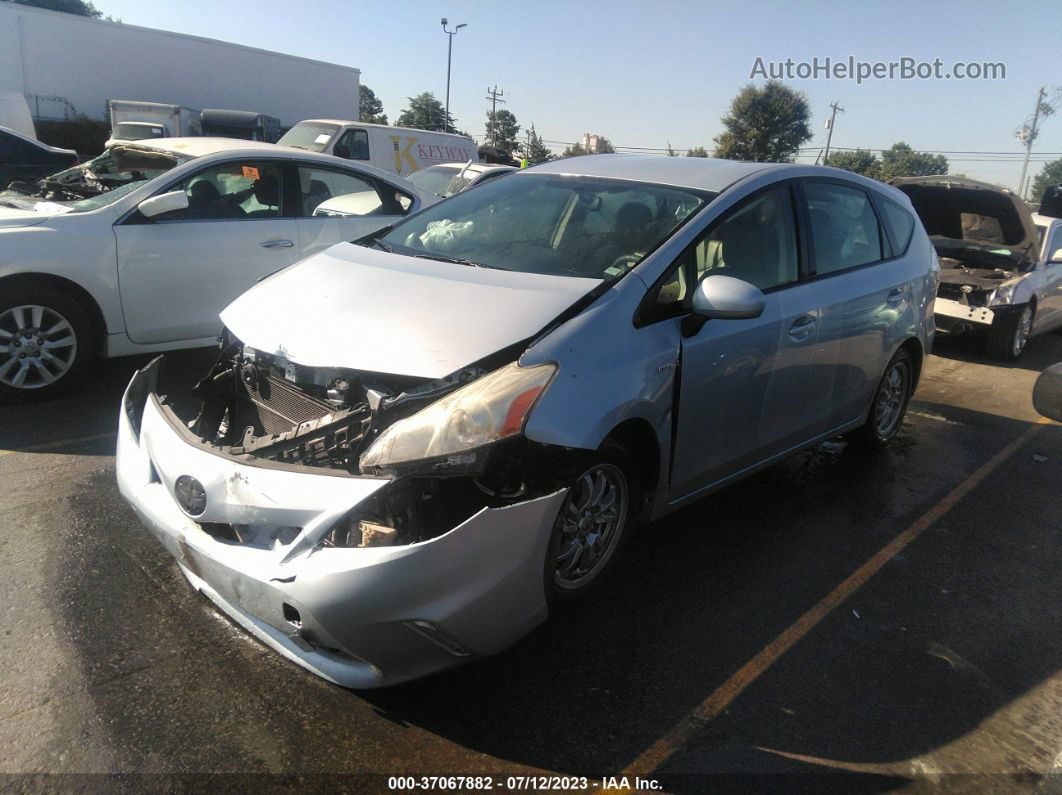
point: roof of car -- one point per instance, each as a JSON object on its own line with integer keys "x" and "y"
{"x": 701, "y": 173}
{"x": 342, "y": 122}
{"x": 476, "y": 168}
{"x": 200, "y": 146}
{"x": 36, "y": 142}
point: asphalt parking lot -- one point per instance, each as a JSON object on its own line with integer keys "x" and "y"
{"x": 844, "y": 621}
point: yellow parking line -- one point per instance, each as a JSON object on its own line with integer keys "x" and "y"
{"x": 36, "y": 448}
{"x": 660, "y": 751}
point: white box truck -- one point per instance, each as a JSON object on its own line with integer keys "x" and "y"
{"x": 400, "y": 150}
{"x": 134, "y": 121}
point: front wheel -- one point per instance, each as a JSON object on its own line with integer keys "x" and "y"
{"x": 1009, "y": 335}
{"x": 595, "y": 520}
{"x": 890, "y": 402}
{"x": 46, "y": 343}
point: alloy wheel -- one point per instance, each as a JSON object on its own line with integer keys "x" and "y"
{"x": 37, "y": 346}
{"x": 1022, "y": 332}
{"x": 590, "y": 523}
{"x": 891, "y": 398}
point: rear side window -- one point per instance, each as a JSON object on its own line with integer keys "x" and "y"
{"x": 844, "y": 227}
{"x": 899, "y": 224}
{"x": 326, "y": 192}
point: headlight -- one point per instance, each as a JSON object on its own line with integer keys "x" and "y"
{"x": 492, "y": 408}
{"x": 1002, "y": 295}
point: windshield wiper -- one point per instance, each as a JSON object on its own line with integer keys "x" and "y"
{"x": 455, "y": 260}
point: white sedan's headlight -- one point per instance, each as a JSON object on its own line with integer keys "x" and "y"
{"x": 1002, "y": 295}
{"x": 491, "y": 408}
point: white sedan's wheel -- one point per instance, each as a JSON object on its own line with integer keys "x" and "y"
{"x": 46, "y": 342}
{"x": 37, "y": 346}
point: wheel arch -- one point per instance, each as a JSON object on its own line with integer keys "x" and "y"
{"x": 913, "y": 346}
{"x": 69, "y": 288}
{"x": 637, "y": 437}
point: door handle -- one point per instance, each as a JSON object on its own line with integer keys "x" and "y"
{"x": 802, "y": 327}
{"x": 276, "y": 244}
{"x": 896, "y": 297}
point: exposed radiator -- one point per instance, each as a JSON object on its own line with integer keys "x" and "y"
{"x": 271, "y": 405}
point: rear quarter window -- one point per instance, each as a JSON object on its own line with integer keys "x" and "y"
{"x": 898, "y": 223}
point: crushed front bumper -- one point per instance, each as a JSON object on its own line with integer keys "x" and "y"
{"x": 951, "y": 313}
{"x": 359, "y": 617}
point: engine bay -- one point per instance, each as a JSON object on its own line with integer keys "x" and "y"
{"x": 261, "y": 405}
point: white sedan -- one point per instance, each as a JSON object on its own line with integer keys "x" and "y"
{"x": 139, "y": 249}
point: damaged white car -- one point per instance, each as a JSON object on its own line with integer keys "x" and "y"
{"x": 1000, "y": 264}
{"x": 468, "y": 411}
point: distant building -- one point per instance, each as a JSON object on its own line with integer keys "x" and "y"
{"x": 67, "y": 65}
{"x": 593, "y": 143}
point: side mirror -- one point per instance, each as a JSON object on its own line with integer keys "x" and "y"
{"x": 164, "y": 203}
{"x": 1047, "y": 393}
{"x": 727, "y": 298}
{"x": 1056, "y": 257}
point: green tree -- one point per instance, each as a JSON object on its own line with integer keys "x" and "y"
{"x": 858, "y": 161}
{"x": 900, "y": 160}
{"x": 370, "y": 109}
{"x": 1051, "y": 174}
{"x": 534, "y": 150}
{"x": 697, "y": 151}
{"x": 765, "y": 124}
{"x": 82, "y": 8}
{"x": 502, "y": 130}
{"x": 425, "y": 112}
{"x": 671, "y": 152}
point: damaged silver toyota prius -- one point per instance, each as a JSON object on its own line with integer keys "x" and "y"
{"x": 413, "y": 446}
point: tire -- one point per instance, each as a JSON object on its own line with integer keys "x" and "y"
{"x": 568, "y": 571}
{"x": 889, "y": 404}
{"x": 1008, "y": 337}
{"x": 47, "y": 343}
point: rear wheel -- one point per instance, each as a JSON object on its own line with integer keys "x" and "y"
{"x": 46, "y": 343}
{"x": 1009, "y": 335}
{"x": 890, "y": 402}
{"x": 595, "y": 520}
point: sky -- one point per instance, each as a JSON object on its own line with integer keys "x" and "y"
{"x": 650, "y": 74}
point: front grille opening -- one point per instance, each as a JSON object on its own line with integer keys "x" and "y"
{"x": 270, "y": 406}
{"x": 264, "y": 536}
{"x": 291, "y": 615}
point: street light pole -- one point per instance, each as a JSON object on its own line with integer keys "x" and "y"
{"x": 449, "y": 59}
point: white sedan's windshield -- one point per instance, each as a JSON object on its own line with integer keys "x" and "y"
{"x": 93, "y": 184}
{"x": 569, "y": 226}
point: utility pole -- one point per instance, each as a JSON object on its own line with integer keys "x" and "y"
{"x": 829, "y": 129}
{"x": 1027, "y": 135}
{"x": 493, "y": 100}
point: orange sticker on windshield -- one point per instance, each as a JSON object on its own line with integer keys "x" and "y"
{"x": 250, "y": 172}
